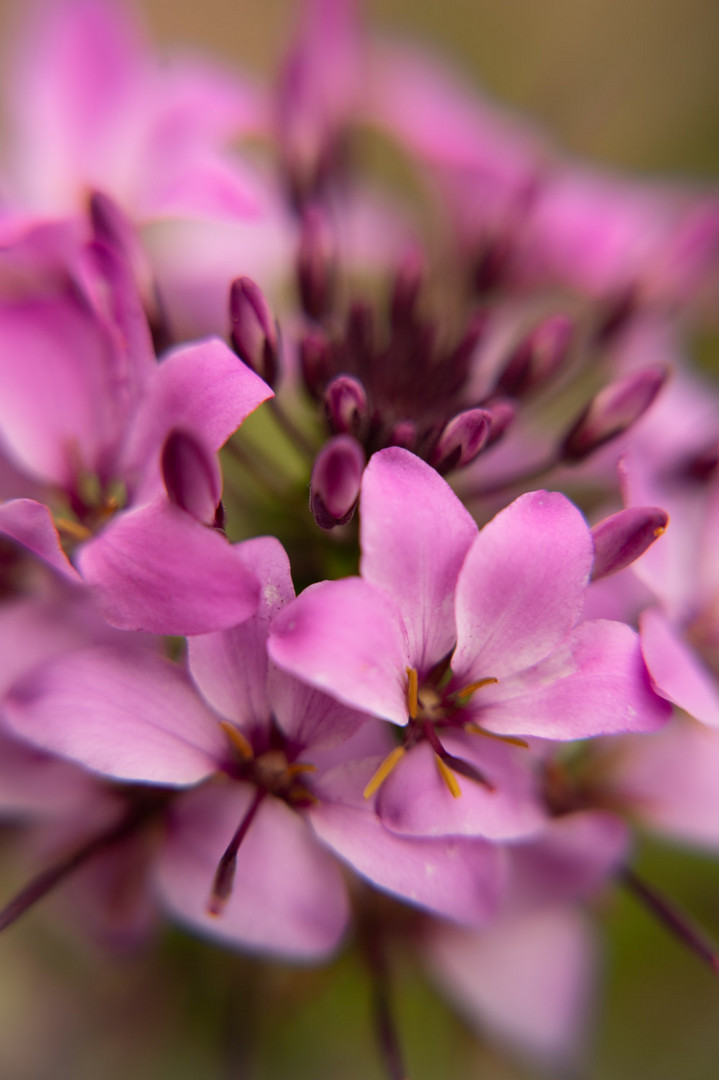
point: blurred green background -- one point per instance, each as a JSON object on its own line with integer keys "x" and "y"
{"x": 634, "y": 85}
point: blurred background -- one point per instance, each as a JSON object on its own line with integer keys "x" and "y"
{"x": 630, "y": 83}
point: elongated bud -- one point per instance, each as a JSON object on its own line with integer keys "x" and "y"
{"x": 191, "y": 475}
{"x": 473, "y": 334}
{"x": 404, "y": 434}
{"x": 408, "y": 282}
{"x": 537, "y": 358}
{"x": 616, "y": 314}
{"x": 346, "y": 406}
{"x": 501, "y": 414}
{"x": 612, "y": 412}
{"x": 254, "y": 330}
{"x": 316, "y": 264}
{"x": 462, "y": 439}
{"x": 623, "y": 537}
{"x": 316, "y": 362}
{"x": 335, "y": 483}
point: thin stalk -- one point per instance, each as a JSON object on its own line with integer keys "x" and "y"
{"x": 673, "y": 919}
{"x": 291, "y": 430}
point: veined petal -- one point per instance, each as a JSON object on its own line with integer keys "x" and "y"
{"x": 415, "y": 801}
{"x": 521, "y": 587}
{"x": 126, "y": 713}
{"x": 30, "y": 524}
{"x": 457, "y": 877}
{"x": 415, "y": 534}
{"x": 288, "y": 898}
{"x": 595, "y": 684}
{"x": 158, "y": 569}
{"x": 230, "y": 666}
{"x": 676, "y": 671}
{"x": 348, "y": 639}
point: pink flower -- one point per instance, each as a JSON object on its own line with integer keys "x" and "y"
{"x": 451, "y": 633}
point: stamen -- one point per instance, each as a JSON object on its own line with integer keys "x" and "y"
{"x": 300, "y": 767}
{"x": 465, "y": 768}
{"x": 73, "y": 529}
{"x": 239, "y": 741}
{"x": 224, "y": 879}
{"x": 512, "y": 740}
{"x": 412, "y": 692}
{"x": 462, "y": 696}
{"x": 379, "y": 777}
{"x": 448, "y": 776}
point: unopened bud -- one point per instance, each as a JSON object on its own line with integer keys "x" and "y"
{"x": 404, "y": 434}
{"x": 620, "y": 539}
{"x": 474, "y": 332}
{"x": 336, "y": 479}
{"x": 461, "y": 440}
{"x": 612, "y": 412}
{"x": 537, "y": 357}
{"x": 616, "y": 314}
{"x": 191, "y": 475}
{"x": 253, "y": 329}
{"x": 346, "y": 406}
{"x": 316, "y": 362}
{"x": 408, "y": 282}
{"x": 316, "y": 264}
{"x": 501, "y": 415}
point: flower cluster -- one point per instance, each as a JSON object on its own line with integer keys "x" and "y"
{"x": 449, "y": 737}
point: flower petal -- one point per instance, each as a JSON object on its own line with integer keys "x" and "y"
{"x": 676, "y": 671}
{"x": 521, "y": 588}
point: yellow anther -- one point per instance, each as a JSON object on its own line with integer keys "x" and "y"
{"x": 239, "y": 741}
{"x": 392, "y": 759}
{"x": 73, "y": 529}
{"x": 659, "y": 531}
{"x": 466, "y": 692}
{"x": 448, "y": 776}
{"x": 300, "y": 767}
{"x": 475, "y": 729}
{"x": 412, "y": 691}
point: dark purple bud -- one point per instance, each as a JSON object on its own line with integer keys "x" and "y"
{"x": 623, "y": 537}
{"x": 407, "y": 286}
{"x": 404, "y": 434}
{"x": 612, "y": 412}
{"x": 109, "y": 224}
{"x": 191, "y": 474}
{"x": 462, "y": 439}
{"x": 346, "y": 406}
{"x": 501, "y": 413}
{"x": 336, "y": 479}
{"x": 616, "y": 315}
{"x": 703, "y": 465}
{"x": 473, "y": 334}
{"x": 316, "y": 264}
{"x": 537, "y": 357}
{"x": 253, "y": 329}
{"x": 316, "y": 362}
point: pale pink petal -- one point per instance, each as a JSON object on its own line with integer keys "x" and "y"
{"x": 126, "y": 713}
{"x": 521, "y": 588}
{"x": 36, "y": 784}
{"x": 676, "y": 671}
{"x": 309, "y": 718}
{"x": 415, "y": 800}
{"x": 596, "y": 684}
{"x": 527, "y": 980}
{"x": 30, "y": 524}
{"x": 414, "y": 534}
{"x": 230, "y": 667}
{"x": 288, "y": 898}
{"x": 203, "y": 388}
{"x": 346, "y": 638}
{"x": 458, "y": 877}
{"x": 157, "y": 569}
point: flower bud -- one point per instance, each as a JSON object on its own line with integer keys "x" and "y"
{"x": 346, "y": 406}
{"x": 620, "y": 539}
{"x": 336, "y": 479}
{"x": 612, "y": 412}
{"x": 316, "y": 264}
{"x": 404, "y": 434}
{"x": 253, "y": 330}
{"x": 537, "y": 357}
{"x": 316, "y": 362}
{"x": 191, "y": 475}
{"x": 408, "y": 282}
{"x": 461, "y": 440}
{"x": 501, "y": 415}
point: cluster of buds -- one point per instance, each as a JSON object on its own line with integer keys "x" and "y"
{"x": 442, "y": 741}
